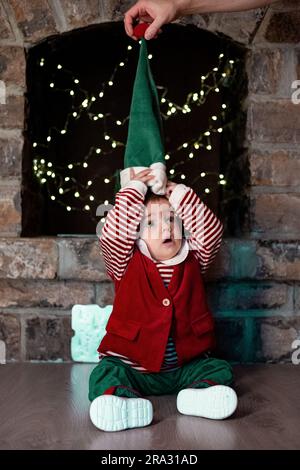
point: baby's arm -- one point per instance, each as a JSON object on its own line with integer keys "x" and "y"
{"x": 119, "y": 231}
{"x": 205, "y": 229}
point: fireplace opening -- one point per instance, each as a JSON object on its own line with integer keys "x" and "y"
{"x": 79, "y": 88}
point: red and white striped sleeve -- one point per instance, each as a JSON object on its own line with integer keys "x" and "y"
{"x": 119, "y": 232}
{"x": 205, "y": 229}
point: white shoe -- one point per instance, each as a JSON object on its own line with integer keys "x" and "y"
{"x": 215, "y": 402}
{"x": 112, "y": 413}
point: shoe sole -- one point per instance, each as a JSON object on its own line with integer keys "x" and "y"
{"x": 112, "y": 413}
{"x": 215, "y": 402}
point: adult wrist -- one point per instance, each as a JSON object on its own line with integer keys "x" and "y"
{"x": 192, "y": 7}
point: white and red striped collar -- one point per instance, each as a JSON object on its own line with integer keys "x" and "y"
{"x": 178, "y": 258}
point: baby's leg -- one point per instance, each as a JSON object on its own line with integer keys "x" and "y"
{"x": 204, "y": 389}
{"x": 116, "y": 402}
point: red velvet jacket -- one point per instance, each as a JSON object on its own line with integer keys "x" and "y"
{"x": 144, "y": 310}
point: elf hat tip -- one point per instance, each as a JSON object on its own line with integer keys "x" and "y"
{"x": 140, "y": 29}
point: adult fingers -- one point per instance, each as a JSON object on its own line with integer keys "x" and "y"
{"x": 154, "y": 27}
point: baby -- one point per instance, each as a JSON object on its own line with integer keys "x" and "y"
{"x": 161, "y": 332}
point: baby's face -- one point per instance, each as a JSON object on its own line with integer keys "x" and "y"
{"x": 161, "y": 230}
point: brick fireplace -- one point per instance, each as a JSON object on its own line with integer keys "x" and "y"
{"x": 253, "y": 285}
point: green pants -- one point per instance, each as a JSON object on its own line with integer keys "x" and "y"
{"x": 112, "y": 376}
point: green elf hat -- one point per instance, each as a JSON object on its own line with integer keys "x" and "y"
{"x": 145, "y": 147}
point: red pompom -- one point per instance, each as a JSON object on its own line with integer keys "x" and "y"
{"x": 139, "y": 30}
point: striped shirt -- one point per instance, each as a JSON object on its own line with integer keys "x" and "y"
{"x": 118, "y": 237}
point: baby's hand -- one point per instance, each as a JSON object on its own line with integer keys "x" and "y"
{"x": 169, "y": 188}
{"x": 143, "y": 175}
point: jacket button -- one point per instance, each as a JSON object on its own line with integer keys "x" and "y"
{"x": 166, "y": 302}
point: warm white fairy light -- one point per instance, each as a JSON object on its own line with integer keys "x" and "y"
{"x": 68, "y": 208}
{"x": 207, "y": 190}
{"x": 76, "y": 194}
{"x": 53, "y": 198}
{"x": 194, "y": 97}
{"x": 106, "y": 202}
{"x": 150, "y": 56}
{"x": 87, "y": 207}
{"x": 202, "y": 174}
{"x": 89, "y": 183}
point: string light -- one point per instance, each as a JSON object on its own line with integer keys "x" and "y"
{"x": 209, "y": 82}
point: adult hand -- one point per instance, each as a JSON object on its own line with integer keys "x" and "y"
{"x": 155, "y": 12}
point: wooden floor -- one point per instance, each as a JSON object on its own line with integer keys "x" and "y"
{"x": 45, "y": 406}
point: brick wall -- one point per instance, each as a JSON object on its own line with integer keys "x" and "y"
{"x": 253, "y": 286}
